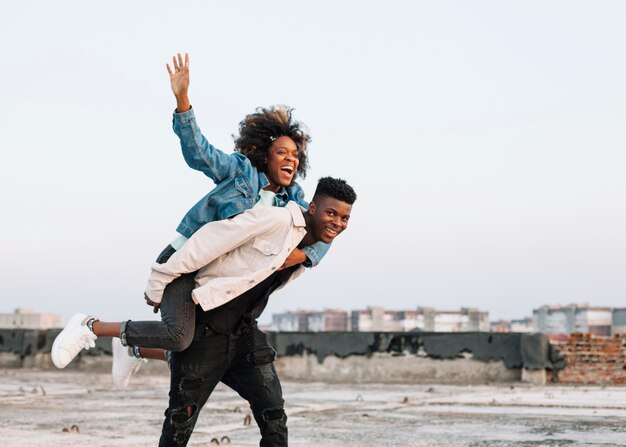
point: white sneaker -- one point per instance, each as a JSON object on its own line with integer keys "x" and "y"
{"x": 75, "y": 337}
{"x": 125, "y": 364}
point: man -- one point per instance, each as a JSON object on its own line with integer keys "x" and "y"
{"x": 241, "y": 258}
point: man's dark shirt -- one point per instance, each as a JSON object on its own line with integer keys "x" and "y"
{"x": 247, "y": 307}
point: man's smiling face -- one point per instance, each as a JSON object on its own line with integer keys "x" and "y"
{"x": 329, "y": 218}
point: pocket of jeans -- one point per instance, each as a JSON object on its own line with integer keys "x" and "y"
{"x": 200, "y": 331}
{"x": 262, "y": 356}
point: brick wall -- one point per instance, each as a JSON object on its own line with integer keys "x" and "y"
{"x": 592, "y": 359}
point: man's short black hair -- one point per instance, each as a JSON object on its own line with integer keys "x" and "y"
{"x": 336, "y": 188}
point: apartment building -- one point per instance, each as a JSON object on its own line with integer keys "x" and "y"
{"x": 422, "y": 319}
{"x": 619, "y": 321}
{"x": 557, "y": 319}
{"x": 28, "y": 319}
{"x": 524, "y": 325}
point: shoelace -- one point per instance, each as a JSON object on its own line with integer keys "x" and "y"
{"x": 87, "y": 341}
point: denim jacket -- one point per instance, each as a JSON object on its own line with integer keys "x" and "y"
{"x": 237, "y": 183}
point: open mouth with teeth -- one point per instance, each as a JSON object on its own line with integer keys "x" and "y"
{"x": 330, "y": 232}
{"x": 287, "y": 170}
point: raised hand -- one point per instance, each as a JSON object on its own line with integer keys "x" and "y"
{"x": 179, "y": 80}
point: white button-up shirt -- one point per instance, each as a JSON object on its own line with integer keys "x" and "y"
{"x": 233, "y": 255}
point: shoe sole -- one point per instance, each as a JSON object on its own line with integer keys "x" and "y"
{"x": 76, "y": 319}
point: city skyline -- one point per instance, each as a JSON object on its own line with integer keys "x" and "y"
{"x": 598, "y": 319}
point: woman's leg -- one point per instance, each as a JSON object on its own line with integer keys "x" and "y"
{"x": 178, "y": 316}
{"x": 173, "y": 333}
{"x": 175, "y": 330}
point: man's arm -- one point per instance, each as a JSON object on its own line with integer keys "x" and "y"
{"x": 296, "y": 257}
{"x": 211, "y": 241}
{"x": 197, "y": 151}
{"x": 314, "y": 253}
{"x": 308, "y": 256}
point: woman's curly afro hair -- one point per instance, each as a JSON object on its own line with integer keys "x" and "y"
{"x": 258, "y": 130}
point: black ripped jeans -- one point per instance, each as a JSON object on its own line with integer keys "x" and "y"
{"x": 244, "y": 362}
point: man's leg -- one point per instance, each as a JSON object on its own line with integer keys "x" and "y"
{"x": 195, "y": 373}
{"x": 254, "y": 378}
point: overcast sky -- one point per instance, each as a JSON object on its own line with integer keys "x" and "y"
{"x": 486, "y": 142}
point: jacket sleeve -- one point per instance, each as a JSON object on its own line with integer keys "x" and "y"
{"x": 198, "y": 152}
{"x": 211, "y": 241}
{"x": 315, "y": 252}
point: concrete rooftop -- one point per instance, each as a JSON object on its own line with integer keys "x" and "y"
{"x": 35, "y": 407}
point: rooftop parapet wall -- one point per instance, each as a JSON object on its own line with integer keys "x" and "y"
{"x": 529, "y": 351}
{"x": 472, "y": 357}
{"x": 31, "y": 348}
{"x": 417, "y": 357}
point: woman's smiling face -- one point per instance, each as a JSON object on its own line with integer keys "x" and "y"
{"x": 282, "y": 162}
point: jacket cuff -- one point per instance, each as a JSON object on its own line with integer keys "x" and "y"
{"x": 311, "y": 257}
{"x": 184, "y": 117}
{"x": 154, "y": 297}
{"x": 156, "y": 284}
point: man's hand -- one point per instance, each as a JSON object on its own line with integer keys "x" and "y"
{"x": 149, "y": 302}
{"x": 179, "y": 80}
{"x": 297, "y": 256}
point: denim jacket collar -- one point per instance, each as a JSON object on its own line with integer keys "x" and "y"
{"x": 281, "y": 195}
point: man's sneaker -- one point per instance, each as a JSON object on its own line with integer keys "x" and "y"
{"x": 75, "y": 337}
{"x": 125, "y": 364}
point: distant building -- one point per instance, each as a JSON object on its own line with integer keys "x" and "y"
{"x": 619, "y": 321}
{"x": 465, "y": 320}
{"x": 309, "y": 320}
{"x": 424, "y": 319}
{"x": 410, "y": 320}
{"x": 500, "y": 326}
{"x": 28, "y": 319}
{"x": 290, "y": 321}
{"x": 524, "y": 325}
{"x": 573, "y": 318}
{"x": 595, "y": 320}
{"x": 374, "y": 319}
{"x": 329, "y": 320}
